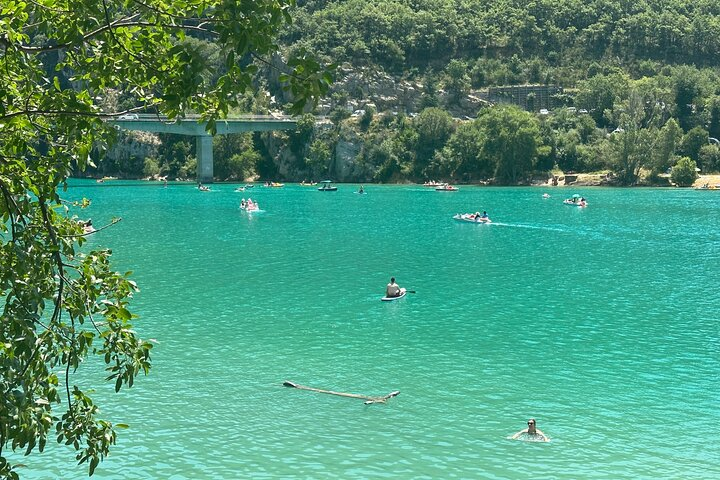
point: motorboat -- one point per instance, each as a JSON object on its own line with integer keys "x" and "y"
{"x": 446, "y": 187}
{"x": 327, "y": 186}
{"x": 472, "y": 218}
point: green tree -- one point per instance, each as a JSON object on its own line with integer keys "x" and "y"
{"x": 457, "y": 80}
{"x": 512, "y": 137}
{"x": 664, "y": 154}
{"x": 693, "y": 141}
{"x": 684, "y": 173}
{"x": 709, "y": 158}
{"x": 151, "y": 167}
{"x": 61, "y": 305}
{"x": 243, "y": 165}
{"x": 434, "y": 127}
{"x": 463, "y": 155}
{"x": 600, "y": 93}
{"x": 632, "y": 144}
{"x": 318, "y": 158}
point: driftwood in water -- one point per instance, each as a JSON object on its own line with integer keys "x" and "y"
{"x": 368, "y": 400}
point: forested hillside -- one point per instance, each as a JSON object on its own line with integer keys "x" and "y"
{"x": 631, "y": 88}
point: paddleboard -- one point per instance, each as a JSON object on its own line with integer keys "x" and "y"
{"x": 403, "y": 292}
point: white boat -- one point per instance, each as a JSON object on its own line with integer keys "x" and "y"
{"x": 327, "y": 186}
{"x": 471, "y": 218}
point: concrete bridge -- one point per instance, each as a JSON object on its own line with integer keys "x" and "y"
{"x": 191, "y": 125}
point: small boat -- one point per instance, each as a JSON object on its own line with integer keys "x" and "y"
{"x": 250, "y": 207}
{"x": 546, "y": 195}
{"x": 433, "y": 183}
{"x": 249, "y": 185}
{"x": 203, "y": 188}
{"x": 576, "y": 201}
{"x": 240, "y": 189}
{"x": 446, "y": 187}
{"x": 471, "y": 218}
{"x": 274, "y": 184}
{"x": 390, "y": 299}
{"x": 327, "y": 186}
{"x": 307, "y": 184}
{"x": 87, "y": 227}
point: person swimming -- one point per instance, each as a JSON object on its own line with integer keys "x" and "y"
{"x": 532, "y": 432}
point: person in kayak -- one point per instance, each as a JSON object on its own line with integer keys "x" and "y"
{"x": 532, "y": 432}
{"x": 392, "y": 289}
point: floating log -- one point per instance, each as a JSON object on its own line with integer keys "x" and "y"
{"x": 368, "y": 400}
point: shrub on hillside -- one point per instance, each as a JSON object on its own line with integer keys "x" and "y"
{"x": 684, "y": 173}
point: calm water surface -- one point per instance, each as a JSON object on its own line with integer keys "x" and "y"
{"x": 602, "y": 323}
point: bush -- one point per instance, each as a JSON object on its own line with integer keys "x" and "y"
{"x": 684, "y": 173}
{"x": 151, "y": 167}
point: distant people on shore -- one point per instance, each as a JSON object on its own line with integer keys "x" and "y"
{"x": 532, "y": 432}
{"x": 392, "y": 289}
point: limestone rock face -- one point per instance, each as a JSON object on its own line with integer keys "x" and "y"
{"x": 135, "y": 144}
{"x": 345, "y": 165}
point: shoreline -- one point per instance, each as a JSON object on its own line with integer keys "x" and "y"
{"x": 561, "y": 181}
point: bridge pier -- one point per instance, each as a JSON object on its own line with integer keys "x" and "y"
{"x": 192, "y": 126}
{"x": 204, "y": 154}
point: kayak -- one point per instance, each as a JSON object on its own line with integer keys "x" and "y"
{"x": 390, "y": 299}
{"x": 466, "y": 217}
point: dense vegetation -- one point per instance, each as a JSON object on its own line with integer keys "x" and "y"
{"x": 641, "y": 88}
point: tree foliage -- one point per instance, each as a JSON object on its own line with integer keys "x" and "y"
{"x": 60, "y": 305}
{"x": 684, "y": 173}
{"x": 511, "y": 140}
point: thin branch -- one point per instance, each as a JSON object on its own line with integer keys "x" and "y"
{"x": 124, "y": 22}
{"x": 67, "y": 386}
{"x": 110, "y": 30}
{"x": 94, "y": 231}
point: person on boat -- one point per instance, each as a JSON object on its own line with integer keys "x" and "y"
{"x": 392, "y": 289}
{"x": 484, "y": 215}
{"x": 243, "y": 204}
{"x": 362, "y": 189}
{"x": 532, "y": 431}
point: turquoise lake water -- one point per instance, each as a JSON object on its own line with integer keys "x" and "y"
{"x": 602, "y": 323}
